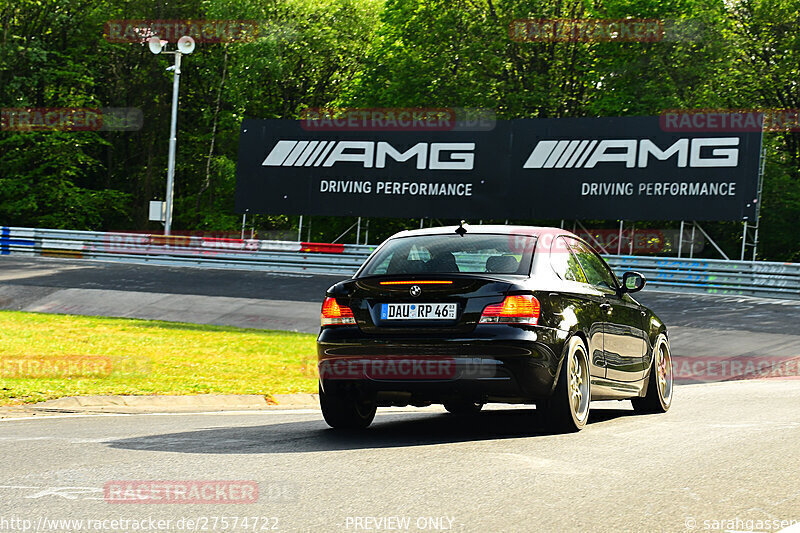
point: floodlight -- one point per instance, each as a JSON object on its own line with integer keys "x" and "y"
{"x": 186, "y": 45}
{"x": 156, "y": 44}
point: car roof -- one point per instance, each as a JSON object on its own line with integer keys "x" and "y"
{"x": 486, "y": 229}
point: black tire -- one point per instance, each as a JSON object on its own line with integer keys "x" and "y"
{"x": 568, "y": 409}
{"x": 658, "y": 398}
{"x": 463, "y": 407}
{"x": 343, "y": 411}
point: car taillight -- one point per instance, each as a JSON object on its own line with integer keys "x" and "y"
{"x": 518, "y": 309}
{"x": 334, "y": 314}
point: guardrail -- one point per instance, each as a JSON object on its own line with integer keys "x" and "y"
{"x": 187, "y": 250}
{"x": 778, "y": 280}
{"x": 714, "y": 276}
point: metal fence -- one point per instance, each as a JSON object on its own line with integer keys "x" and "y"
{"x": 715, "y": 276}
{"x": 780, "y": 280}
{"x": 186, "y": 250}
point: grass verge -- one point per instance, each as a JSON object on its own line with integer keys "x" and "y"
{"x": 50, "y": 356}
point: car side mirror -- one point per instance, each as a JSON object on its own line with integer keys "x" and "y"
{"x": 632, "y": 282}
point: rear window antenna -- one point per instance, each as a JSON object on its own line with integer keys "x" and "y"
{"x": 461, "y": 230}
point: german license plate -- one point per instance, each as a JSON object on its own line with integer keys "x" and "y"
{"x": 418, "y": 311}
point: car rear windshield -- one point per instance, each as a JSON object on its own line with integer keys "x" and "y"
{"x": 451, "y": 254}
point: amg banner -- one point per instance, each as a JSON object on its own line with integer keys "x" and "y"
{"x": 628, "y": 168}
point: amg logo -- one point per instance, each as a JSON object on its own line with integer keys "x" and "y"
{"x": 369, "y": 153}
{"x": 632, "y": 152}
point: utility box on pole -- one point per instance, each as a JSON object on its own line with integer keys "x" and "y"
{"x": 158, "y": 211}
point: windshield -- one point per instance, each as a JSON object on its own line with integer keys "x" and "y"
{"x": 451, "y": 254}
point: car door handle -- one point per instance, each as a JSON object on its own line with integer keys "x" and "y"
{"x": 605, "y": 306}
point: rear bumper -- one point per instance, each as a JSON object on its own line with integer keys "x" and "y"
{"x": 494, "y": 363}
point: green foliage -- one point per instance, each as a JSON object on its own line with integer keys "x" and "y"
{"x": 403, "y": 53}
{"x": 39, "y": 182}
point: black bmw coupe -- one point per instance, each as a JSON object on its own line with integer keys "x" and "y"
{"x": 468, "y": 315}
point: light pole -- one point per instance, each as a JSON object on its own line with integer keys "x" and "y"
{"x": 185, "y": 46}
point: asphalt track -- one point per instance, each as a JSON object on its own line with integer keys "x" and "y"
{"x": 700, "y": 325}
{"x": 724, "y": 452}
{"x": 186, "y": 294}
{"x": 724, "y": 458}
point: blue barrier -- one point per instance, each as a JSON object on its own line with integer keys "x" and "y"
{"x": 6, "y": 241}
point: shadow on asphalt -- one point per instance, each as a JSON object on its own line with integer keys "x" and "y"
{"x": 391, "y": 430}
